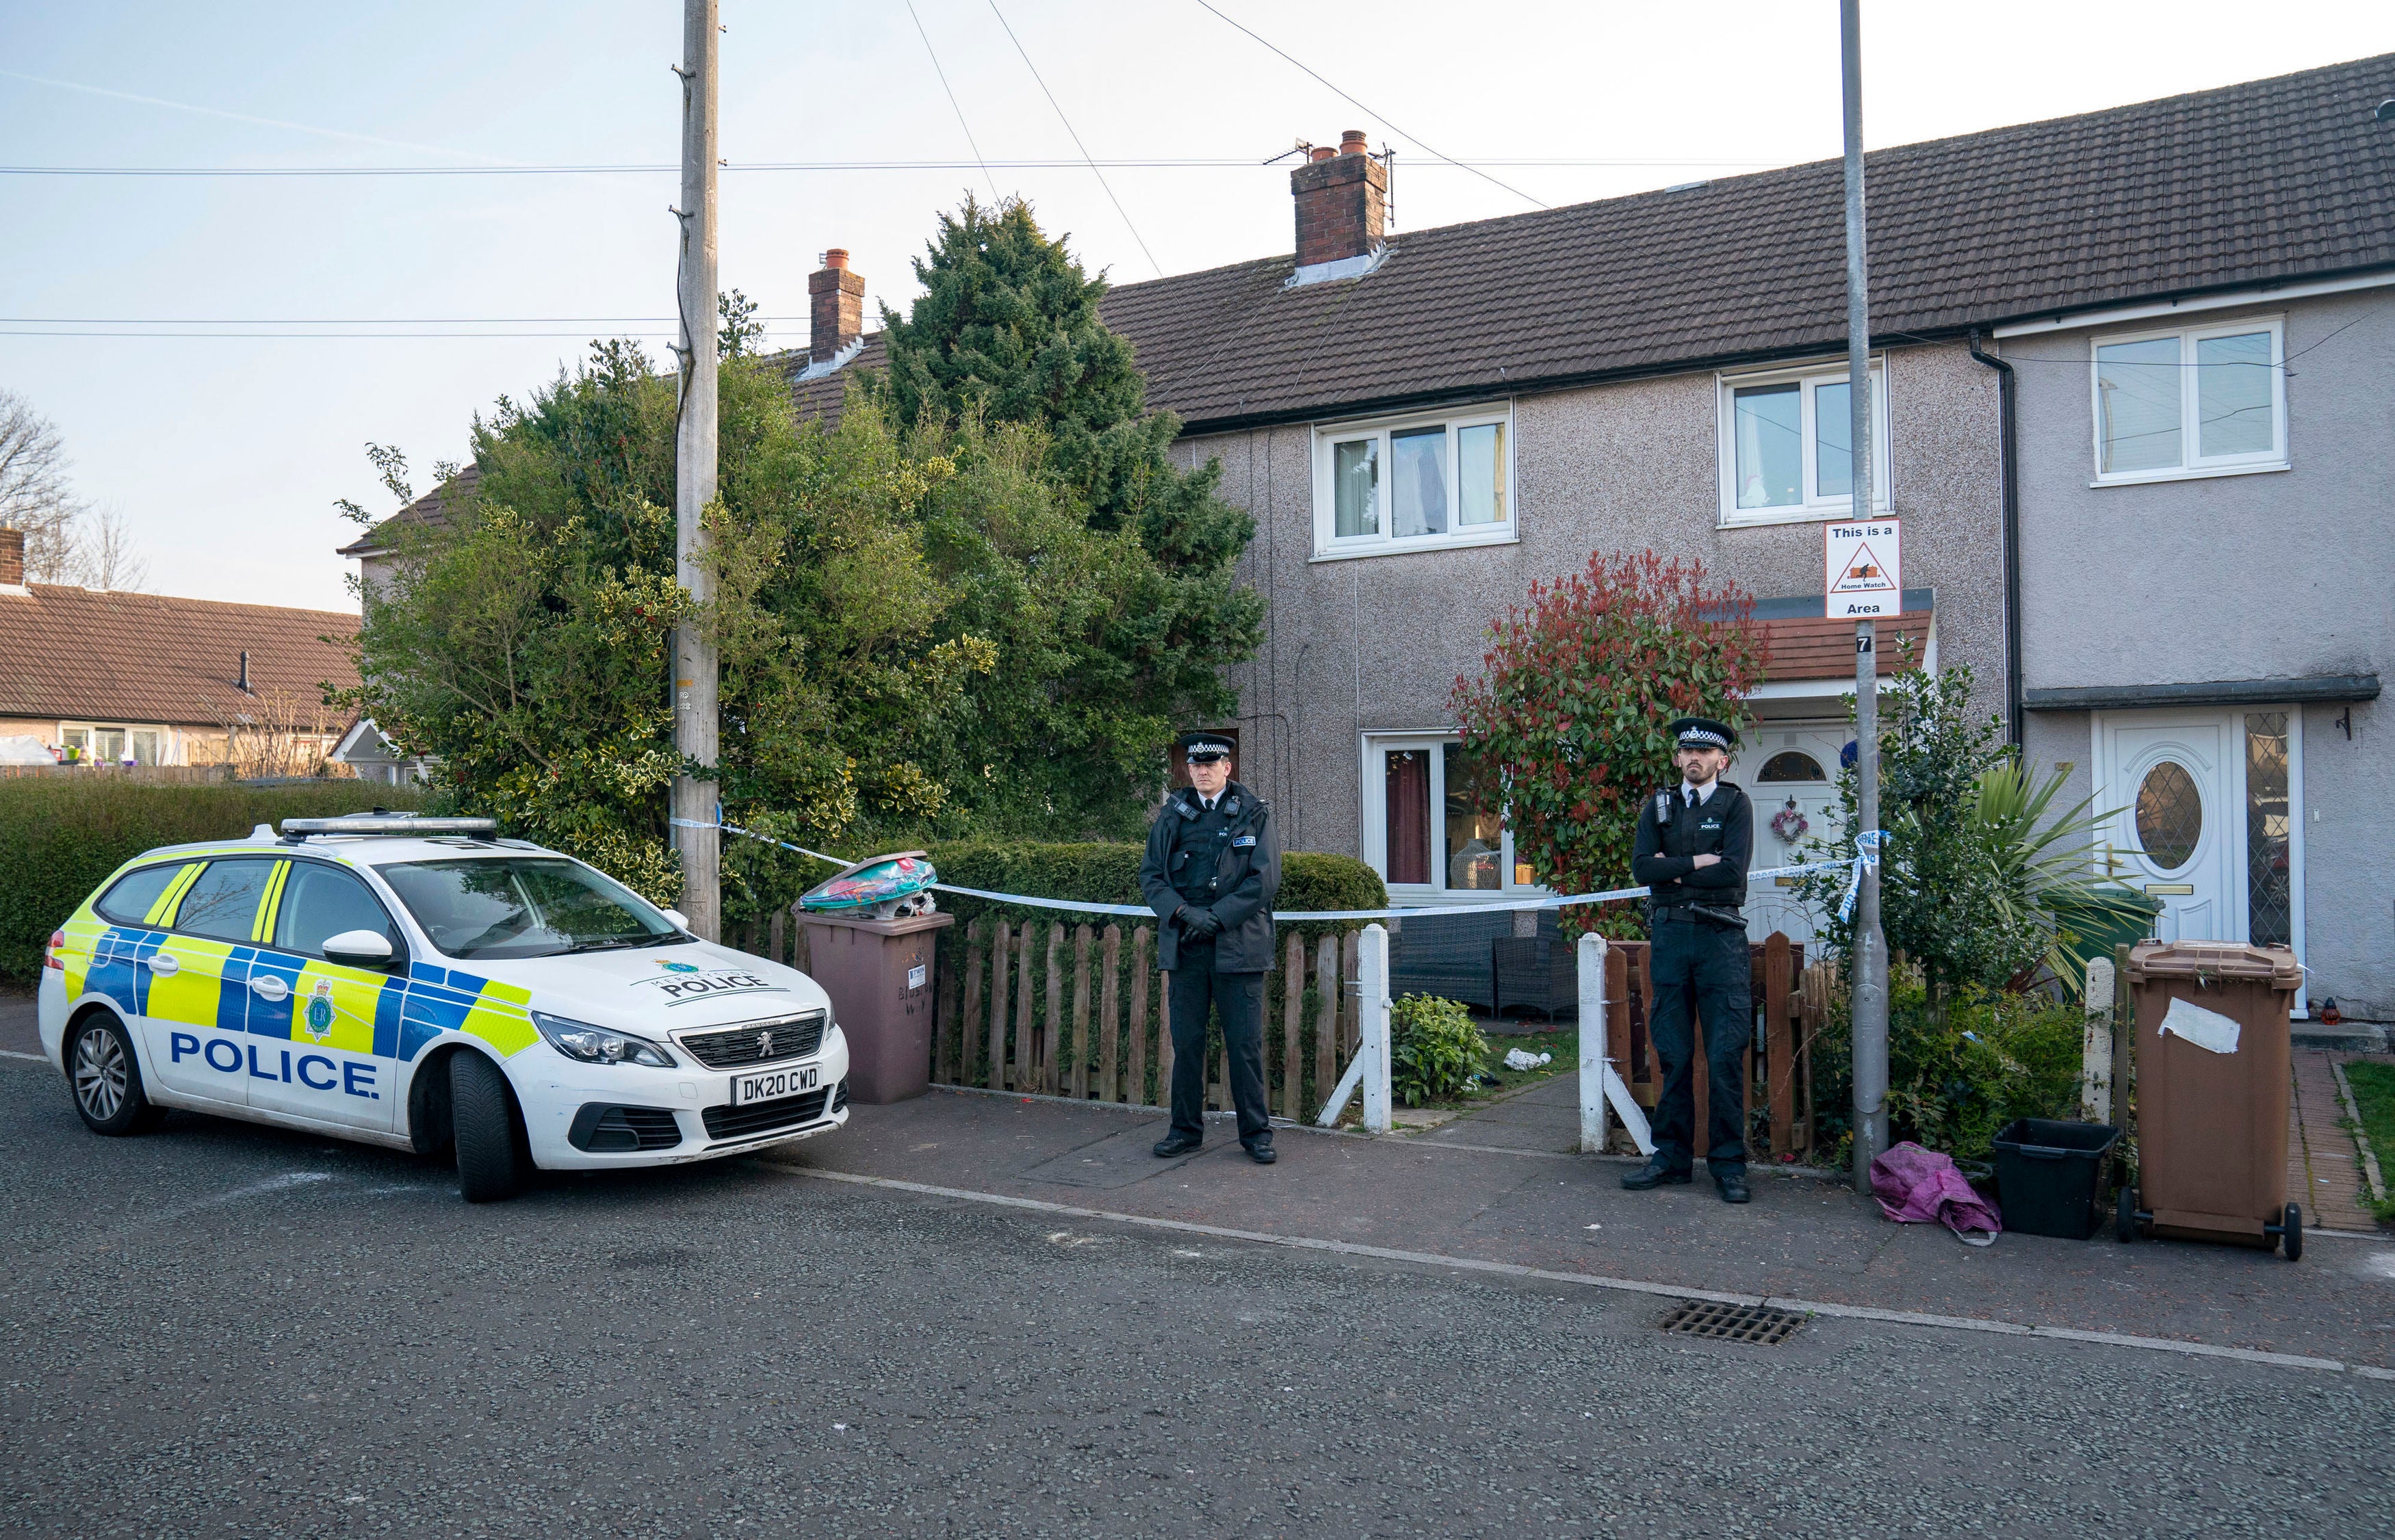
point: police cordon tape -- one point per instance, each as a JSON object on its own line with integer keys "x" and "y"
{"x": 1871, "y": 842}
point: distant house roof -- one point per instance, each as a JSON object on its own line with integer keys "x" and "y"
{"x": 2244, "y": 185}
{"x": 431, "y": 510}
{"x": 84, "y": 655}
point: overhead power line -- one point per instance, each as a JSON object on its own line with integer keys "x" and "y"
{"x": 354, "y": 320}
{"x": 1351, "y": 101}
{"x": 357, "y": 336}
{"x": 1180, "y": 163}
{"x": 973, "y": 143}
{"x": 1076, "y": 139}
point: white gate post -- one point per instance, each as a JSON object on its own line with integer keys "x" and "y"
{"x": 1372, "y": 985}
{"x": 1592, "y": 1045}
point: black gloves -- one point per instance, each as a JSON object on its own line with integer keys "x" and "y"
{"x": 1199, "y": 925}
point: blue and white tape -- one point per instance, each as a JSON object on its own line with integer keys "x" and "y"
{"x": 1866, "y": 859}
{"x": 1025, "y": 901}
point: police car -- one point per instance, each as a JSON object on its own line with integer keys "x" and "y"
{"x": 418, "y": 983}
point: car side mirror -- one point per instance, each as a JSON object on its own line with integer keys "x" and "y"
{"x": 359, "y": 949}
{"x": 680, "y": 920}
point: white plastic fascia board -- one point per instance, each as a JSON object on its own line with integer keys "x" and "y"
{"x": 2196, "y": 305}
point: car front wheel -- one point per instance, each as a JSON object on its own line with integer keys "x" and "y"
{"x": 493, "y": 1161}
{"x": 107, "y": 1079}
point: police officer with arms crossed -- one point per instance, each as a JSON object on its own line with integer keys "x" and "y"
{"x": 1695, "y": 842}
{"x": 1212, "y": 870}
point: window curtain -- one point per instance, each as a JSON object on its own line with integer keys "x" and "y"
{"x": 1406, "y": 792}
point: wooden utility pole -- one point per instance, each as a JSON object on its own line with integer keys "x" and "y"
{"x": 1870, "y": 960}
{"x": 694, "y": 657}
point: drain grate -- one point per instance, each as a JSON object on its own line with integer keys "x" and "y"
{"x": 1758, "y": 1324}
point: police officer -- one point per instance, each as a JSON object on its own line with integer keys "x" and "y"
{"x": 1695, "y": 842}
{"x": 1212, "y": 869}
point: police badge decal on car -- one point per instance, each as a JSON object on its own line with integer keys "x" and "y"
{"x": 317, "y": 1019}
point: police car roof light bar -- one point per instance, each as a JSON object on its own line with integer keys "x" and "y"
{"x": 387, "y": 823}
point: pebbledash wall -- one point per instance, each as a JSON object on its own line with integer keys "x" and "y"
{"x": 1358, "y": 646}
{"x": 2144, "y": 590}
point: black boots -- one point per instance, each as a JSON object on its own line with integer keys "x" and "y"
{"x": 1655, "y": 1172}
{"x": 1729, "y": 1179}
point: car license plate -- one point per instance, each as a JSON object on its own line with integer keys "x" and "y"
{"x": 774, "y": 1085}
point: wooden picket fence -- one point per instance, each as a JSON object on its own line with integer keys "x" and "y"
{"x": 1791, "y": 998}
{"x": 1049, "y": 1007}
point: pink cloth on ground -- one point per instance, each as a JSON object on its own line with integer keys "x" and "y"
{"x": 1916, "y": 1186}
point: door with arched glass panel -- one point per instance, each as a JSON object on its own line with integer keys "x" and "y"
{"x": 2175, "y": 782}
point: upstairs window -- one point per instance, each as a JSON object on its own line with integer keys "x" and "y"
{"x": 2205, "y": 400}
{"x": 1787, "y": 449}
{"x": 1409, "y": 484}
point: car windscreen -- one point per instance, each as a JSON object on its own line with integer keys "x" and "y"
{"x": 524, "y": 906}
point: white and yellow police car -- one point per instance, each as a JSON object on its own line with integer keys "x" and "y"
{"x": 418, "y": 983}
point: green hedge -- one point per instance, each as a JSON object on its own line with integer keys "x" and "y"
{"x": 1109, "y": 874}
{"x": 61, "y": 836}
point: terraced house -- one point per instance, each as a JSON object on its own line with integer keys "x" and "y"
{"x": 2094, "y": 340}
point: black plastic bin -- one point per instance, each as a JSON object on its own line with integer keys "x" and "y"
{"x": 2050, "y": 1175}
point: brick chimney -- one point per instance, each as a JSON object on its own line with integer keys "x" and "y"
{"x": 12, "y": 558}
{"x": 1342, "y": 199}
{"x": 837, "y": 316}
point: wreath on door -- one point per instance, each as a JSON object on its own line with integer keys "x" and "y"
{"x": 1789, "y": 823}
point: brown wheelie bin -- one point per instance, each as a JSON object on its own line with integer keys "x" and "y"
{"x": 2212, "y": 1094}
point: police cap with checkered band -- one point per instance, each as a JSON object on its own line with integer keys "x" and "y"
{"x": 1703, "y": 732}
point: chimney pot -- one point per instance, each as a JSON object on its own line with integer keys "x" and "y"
{"x": 12, "y": 558}
{"x": 1342, "y": 199}
{"x": 836, "y": 315}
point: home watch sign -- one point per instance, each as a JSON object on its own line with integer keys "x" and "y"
{"x": 1865, "y": 574}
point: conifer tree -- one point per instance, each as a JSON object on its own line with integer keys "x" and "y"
{"x": 1008, "y": 331}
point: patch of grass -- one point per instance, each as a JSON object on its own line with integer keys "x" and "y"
{"x": 2374, "y": 1094}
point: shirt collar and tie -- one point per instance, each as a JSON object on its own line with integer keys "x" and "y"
{"x": 1696, "y": 796}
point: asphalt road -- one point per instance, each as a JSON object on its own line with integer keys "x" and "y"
{"x": 221, "y": 1330}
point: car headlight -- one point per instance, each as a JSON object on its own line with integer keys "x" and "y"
{"x": 599, "y": 1045}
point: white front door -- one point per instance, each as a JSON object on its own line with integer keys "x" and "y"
{"x": 1790, "y": 770}
{"x": 2178, "y": 782}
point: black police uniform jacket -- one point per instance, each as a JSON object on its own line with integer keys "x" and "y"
{"x": 1227, "y": 860}
{"x": 1663, "y": 855}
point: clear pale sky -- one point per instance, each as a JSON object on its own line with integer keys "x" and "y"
{"x": 226, "y": 453}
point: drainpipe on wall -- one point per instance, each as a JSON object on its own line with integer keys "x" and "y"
{"x": 2009, "y": 481}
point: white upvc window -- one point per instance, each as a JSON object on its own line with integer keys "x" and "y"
{"x": 1434, "y": 822}
{"x": 1416, "y": 482}
{"x": 2196, "y": 400}
{"x": 1787, "y": 449}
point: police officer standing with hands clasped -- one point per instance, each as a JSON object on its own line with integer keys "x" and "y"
{"x": 1695, "y": 843}
{"x": 1211, "y": 872}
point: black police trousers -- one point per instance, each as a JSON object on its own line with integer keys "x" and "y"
{"x": 1696, "y": 963}
{"x": 1239, "y": 998}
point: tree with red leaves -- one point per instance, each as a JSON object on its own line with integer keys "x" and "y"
{"x": 1574, "y": 704}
